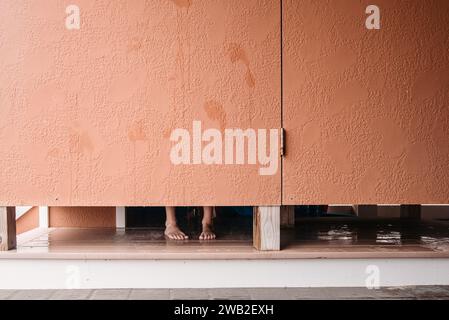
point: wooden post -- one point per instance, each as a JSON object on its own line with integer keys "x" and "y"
{"x": 287, "y": 216}
{"x": 267, "y": 228}
{"x": 7, "y": 228}
{"x": 365, "y": 211}
{"x": 411, "y": 211}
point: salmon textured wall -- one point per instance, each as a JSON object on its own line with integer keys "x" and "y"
{"x": 86, "y": 115}
{"x": 82, "y": 217}
{"x": 366, "y": 111}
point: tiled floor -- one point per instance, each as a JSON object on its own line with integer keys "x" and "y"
{"x": 425, "y": 292}
{"x": 312, "y": 238}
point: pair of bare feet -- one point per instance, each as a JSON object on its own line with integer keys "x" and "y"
{"x": 173, "y": 232}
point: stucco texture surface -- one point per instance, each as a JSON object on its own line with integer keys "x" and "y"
{"x": 86, "y": 115}
{"x": 366, "y": 111}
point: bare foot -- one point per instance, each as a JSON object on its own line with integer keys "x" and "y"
{"x": 173, "y": 232}
{"x": 207, "y": 233}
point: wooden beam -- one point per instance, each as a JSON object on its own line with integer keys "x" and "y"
{"x": 365, "y": 210}
{"x": 411, "y": 211}
{"x": 287, "y": 216}
{"x": 7, "y": 228}
{"x": 267, "y": 228}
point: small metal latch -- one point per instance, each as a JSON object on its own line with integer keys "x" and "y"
{"x": 282, "y": 142}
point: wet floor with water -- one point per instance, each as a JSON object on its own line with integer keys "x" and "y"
{"x": 354, "y": 231}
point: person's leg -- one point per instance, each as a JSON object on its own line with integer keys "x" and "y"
{"x": 207, "y": 233}
{"x": 172, "y": 230}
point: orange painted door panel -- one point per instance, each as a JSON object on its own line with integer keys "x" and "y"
{"x": 366, "y": 112}
{"x": 91, "y": 116}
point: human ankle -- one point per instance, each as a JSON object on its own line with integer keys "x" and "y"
{"x": 206, "y": 223}
{"x": 171, "y": 224}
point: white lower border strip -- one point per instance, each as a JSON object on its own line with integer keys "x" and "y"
{"x": 92, "y": 274}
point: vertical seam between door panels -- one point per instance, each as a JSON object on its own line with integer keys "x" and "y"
{"x": 282, "y": 93}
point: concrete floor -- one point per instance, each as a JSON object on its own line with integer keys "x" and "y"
{"x": 422, "y": 292}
